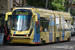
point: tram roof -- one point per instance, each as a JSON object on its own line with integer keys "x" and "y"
{"x": 45, "y": 12}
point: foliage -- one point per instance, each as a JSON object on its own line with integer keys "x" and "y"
{"x": 36, "y": 3}
{"x": 69, "y": 4}
{"x": 58, "y": 5}
{"x": 52, "y": 4}
{"x": 73, "y": 12}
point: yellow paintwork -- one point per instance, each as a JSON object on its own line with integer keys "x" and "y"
{"x": 57, "y": 15}
{"x": 23, "y": 32}
{"x": 67, "y": 17}
{"x": 67, "y": 34}
{"x": 6, "y": 17}
{"x": 44, "y": 35}
{"x": 27, "y": 41}
{"x": 20, "y": 32}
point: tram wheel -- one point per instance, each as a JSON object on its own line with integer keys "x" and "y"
{"x": 57, "y": 39}
{"x": 68, "y": 39}
{"x": 42, "y": 42}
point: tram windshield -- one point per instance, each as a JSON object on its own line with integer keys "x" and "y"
{"x": 21, "y": 22}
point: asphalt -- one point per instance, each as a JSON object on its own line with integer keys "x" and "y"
{"x": 53, "y": 46}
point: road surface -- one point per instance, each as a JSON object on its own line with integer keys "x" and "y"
{"x": 55, "y": 46}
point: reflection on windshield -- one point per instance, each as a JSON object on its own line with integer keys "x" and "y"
{"x": 21, "y": 22}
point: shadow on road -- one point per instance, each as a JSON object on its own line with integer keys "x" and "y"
{"x": 15, "y": 44}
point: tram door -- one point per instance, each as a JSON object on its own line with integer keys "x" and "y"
{"x": 57, "y": 28}
{"x": 51, "y": 27}
{"x": 63, "y": 28}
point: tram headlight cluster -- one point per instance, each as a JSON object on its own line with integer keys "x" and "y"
{"x": 11, "y": 34}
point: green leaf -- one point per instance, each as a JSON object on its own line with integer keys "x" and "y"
{"x": 52, "y": 4}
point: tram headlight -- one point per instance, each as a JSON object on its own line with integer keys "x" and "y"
{"x": 11, "y": 34}
{"x": 27, "y": 35}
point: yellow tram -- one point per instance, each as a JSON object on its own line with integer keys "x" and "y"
{"x": 38, "y": 26}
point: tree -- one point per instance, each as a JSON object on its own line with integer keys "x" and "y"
{"x": 69, "y": 3}
{"x": 52, "y": 4}
{"x": 57, "y": 5}
{"x": 73, "y": 12}
{"x": 36, "y": 3}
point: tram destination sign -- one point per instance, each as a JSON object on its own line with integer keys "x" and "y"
{"x": 22, "y": 12}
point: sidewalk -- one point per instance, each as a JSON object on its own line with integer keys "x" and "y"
{"x": 1, "y": 38}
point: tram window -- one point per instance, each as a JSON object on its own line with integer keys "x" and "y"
{"x": 32, "y": 25}
{"x": 8, "y": 23}
{"x": 66, "y": 20}
{"x": 68, "y": 24}
{"x": 51, "y": 24}
{"x": 44, "y": 23}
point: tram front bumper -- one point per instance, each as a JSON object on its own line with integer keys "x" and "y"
{"x": 25, "y": 40}
{"x": 19, "y": 37}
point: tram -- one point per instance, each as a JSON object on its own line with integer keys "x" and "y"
{"x": 32, "y": 25}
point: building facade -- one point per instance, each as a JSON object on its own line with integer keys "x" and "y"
{"x": 7, "y": 5}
